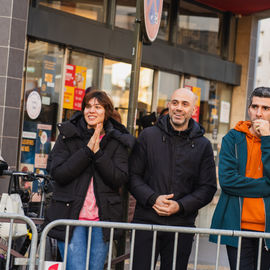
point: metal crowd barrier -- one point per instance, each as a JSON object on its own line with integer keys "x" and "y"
{"x": 31, "y": 259}
{"x": 155, "y": 228}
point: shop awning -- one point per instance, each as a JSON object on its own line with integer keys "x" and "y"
{"x": 243, "y": 7}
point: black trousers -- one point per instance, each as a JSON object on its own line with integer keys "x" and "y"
{"x": 249, "y": 255}
{"x": 164, "y": 248}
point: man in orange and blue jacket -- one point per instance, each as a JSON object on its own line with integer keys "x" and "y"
{"x": 244, "y": 176}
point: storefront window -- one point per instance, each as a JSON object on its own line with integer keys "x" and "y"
{"x": 214, "y": 106}
{"x": 167, "y": 83}
{"x": 198, "y": 28}
{"x": 82, "y": 71}
{"x": 91, "y": 9}
{"x": 116, "y": 81}
{"x": 144, "y": 99}
{"x": 214, "y": 115}
{"x": 163, "y": 32}
{"x": 42, "y": 98}
{"x": 125, "y": 14}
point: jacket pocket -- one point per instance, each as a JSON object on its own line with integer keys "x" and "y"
{"x": 60, "y": 208}
{"x": 114, "y": 208}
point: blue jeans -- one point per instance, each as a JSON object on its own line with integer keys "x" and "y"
{"x": 77, "y": 248}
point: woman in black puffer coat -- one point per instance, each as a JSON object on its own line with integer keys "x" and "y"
{"x": 89, "y": 164}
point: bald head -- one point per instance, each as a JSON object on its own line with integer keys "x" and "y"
{"x": 186, "y": 93}
{"x": 181, "y": 108}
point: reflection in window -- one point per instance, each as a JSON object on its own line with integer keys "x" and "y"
{"x": 163, "y": 32}
{"x": 116, "y": 81}
{"x": 198, "y": 28}
{"x": 167, "y": 83}
{"x": 144, "y": 99}
{"x": 125, "y": 14}
{"x": 91, "y": 9}
{"x": 145, "y": 88}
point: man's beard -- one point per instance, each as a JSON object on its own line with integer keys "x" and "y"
{"x": 178, "y": 124}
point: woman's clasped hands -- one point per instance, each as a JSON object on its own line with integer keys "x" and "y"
{"x": 93, "y": 143}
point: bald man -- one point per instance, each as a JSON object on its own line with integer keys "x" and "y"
{"x": 172, "y": 175}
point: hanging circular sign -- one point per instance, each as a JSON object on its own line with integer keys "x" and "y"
{"x": 33, "y": 105}
{"x": 151, "y": 17}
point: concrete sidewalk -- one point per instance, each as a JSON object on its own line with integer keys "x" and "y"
{"x": 207, "y": 256}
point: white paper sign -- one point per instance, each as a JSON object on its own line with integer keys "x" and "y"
{"x": 225, "y": 112}
{"x": 33, "y": 105}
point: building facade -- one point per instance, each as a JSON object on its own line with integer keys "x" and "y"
{"x": 53, "y": 50}
{"x": 263, "y": 54}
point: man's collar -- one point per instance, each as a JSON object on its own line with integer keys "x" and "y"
{"x": 183, "y": 132}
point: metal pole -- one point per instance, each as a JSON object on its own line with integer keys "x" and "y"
{"x": 135, "y": 71}
{"x": 132, "y": 109}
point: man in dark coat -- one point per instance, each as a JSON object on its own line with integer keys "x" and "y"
{"x": 172, "y": 175}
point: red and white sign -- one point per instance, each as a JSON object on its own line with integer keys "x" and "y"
{"x": 78, "y": 98}
{"x": 75, "y": 81}
{"x": 53, "y": 266}
{"x": 151, "y": 17}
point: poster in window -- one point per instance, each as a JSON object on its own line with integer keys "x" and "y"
{"x": 80, "y": 77}
{"x": 48, "y": 76}
{"x": 196, "y": 114}
{"x": 28, "y": 145}
{"x": 75, "y": 80}
{"x": 28, "y": 152}
{"x": 70, "y": 75}
{"x": 68, "y": 97}
{"x": 43, "y": 145}
{"x": 78, "y": 98}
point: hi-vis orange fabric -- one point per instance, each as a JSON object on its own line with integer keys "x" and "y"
{"x": 253, "y": 214}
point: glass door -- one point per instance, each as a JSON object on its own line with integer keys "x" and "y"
{"x": 116, "y": 81}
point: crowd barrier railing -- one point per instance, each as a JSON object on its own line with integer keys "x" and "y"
{"x": 132, "y": 227}
{"x": 30, "y": 258}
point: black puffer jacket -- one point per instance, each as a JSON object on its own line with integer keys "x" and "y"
{"x": 166, "y": 161}
{"x": 72, "y": 165}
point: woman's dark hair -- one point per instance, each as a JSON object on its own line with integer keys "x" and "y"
{"x": 259, "y": 92}
{"x": 102, "y": 98}
{"x": 117, "y": 116}
{"x": 88, "y": 89}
